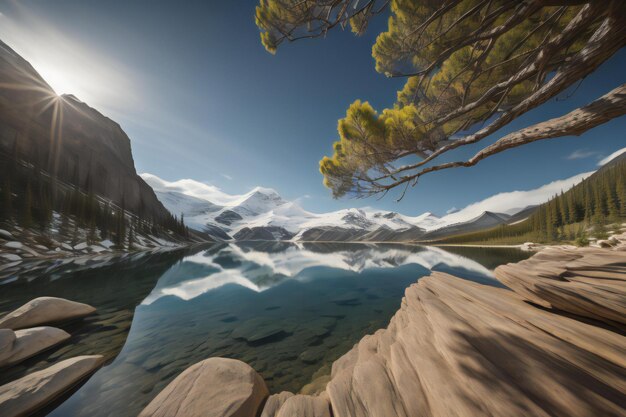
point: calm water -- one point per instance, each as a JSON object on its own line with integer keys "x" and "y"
{"x": 287, "y": 310}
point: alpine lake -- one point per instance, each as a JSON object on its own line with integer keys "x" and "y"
{"x": 289, "y": 310}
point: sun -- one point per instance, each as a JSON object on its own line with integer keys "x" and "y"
{"x": 59, "y": 80}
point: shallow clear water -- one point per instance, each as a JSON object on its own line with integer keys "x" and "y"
{"x": 287, "y": 310}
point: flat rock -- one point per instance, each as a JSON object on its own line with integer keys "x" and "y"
{"x": 32, "y": 392}
{"x": 81, "y": 246}
{"x": 14, "y": 245}
{"x": 45, "y": 310}
{"x": 11, "y": 257}
{"x": 588, "y": 282}
{"x": 28, "y": 342}
{"x": 5, "y": 234}
{"x": 215, "y": 387}
{"x": 7, "y": 339}
{"x": 458, "y": 348}
{"x": 305, "y": 406}
{"x": 274, "y": 402}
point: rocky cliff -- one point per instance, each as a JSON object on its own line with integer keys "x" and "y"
{"x": 67, "y": 138}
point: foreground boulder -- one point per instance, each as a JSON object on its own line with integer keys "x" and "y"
{"x": 589, "y": 282}
{"x": 215, "y": 387}
{"x": 44, "y": 310}
{"x": 305, "y": 406}
{"x": 22, "y": 344}
{"x": 34, "y": 391}
{"x": 457, "y": 348}
{"x": 274, "y": 402}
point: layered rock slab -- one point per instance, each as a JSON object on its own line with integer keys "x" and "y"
{"x": 16, "y": 346}
{"x": 215, "y": 387}
{"x": 32, "y": 392}
{"x": 464, "y": 349}
{"x": 43, "y": 310}
{"x": 589, "y": 282}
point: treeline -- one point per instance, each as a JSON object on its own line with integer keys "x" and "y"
{"x": 595, "y": 202}
{"x": 30, "y": 198}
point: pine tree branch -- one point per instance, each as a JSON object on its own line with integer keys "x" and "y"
{"x": 575, "y": 123}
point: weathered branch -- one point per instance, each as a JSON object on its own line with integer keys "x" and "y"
{"x": 607, "y": 40}
{"x": 575, "y": 123}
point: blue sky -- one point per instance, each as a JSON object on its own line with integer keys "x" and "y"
{"x": 200, "y": 98}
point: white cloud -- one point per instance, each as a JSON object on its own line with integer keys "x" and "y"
{"x": 192, "y": 188}
{"x": 513, "y": 201}
{"x": 452, "y": 210}
{"x": 609, "y": 158}
{"x": 200, "y": 190}
{"x": 228, "y": 177}
{"x": 581, "y": 154}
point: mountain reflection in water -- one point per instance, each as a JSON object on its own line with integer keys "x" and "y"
{"x": 289, "y": 310}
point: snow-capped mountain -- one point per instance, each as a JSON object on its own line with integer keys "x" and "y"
{"x": 262, "y": 214}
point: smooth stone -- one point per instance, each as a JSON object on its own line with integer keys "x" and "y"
{"x": 32, "y": 392}
{"x": 44, "y": 310}
{"x": 215, "y": 387}
{"x": 29, "y": 342}
{"x": 14, "y": 245}
{"x": 6, "y": 234}
{"x": 274, "y": 402}
{"x": 81, "y": 246}
{"x": 7, "y": 338}
{"x": 12, "y": 257}
{"x": 305, "y": 406}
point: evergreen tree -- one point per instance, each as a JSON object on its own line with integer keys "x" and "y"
{"x": 6, "y": 210}
{"x": 465, "y": 64}
{"x": 27, "y": 208}
{"x": 131, "y": 237}
{"x": 621, "y": 195}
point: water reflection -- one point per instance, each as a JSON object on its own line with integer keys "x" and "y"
{"x": 288, "y": 310}
{"x": 259, "y": 267}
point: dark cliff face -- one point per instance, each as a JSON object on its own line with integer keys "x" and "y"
{"x": 67, "y": 138}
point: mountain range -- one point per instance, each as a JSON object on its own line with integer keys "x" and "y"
{"x": 262, "y": 214}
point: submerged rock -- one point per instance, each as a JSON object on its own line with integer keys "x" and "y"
{"x": 22, "y": 344}
{"x": 588, "y": 282}
{"x": 44, "y": 310}
{"x": 260, "y": 331}
{"x": 34, "y": 391}
{"x": 215, "y": 387}
{"x": 460, "y": 348}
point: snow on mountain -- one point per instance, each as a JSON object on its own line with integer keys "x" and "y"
{"x": 208, "y": 208}
{"x": 258, "y": 201}
{"x": 178, "y": 203}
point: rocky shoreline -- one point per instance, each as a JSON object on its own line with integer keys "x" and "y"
{"x": 552, "y": 345}
{"x": 460, "y": 348}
